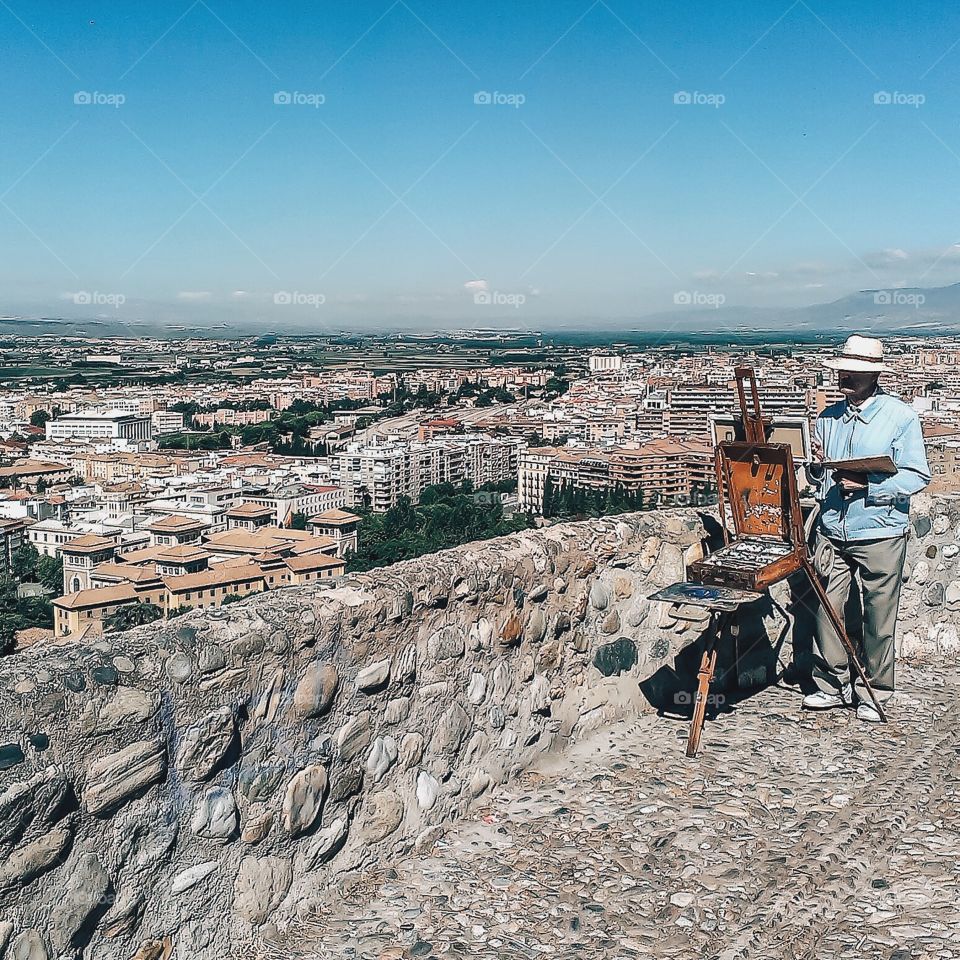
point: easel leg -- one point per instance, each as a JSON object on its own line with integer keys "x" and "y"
{"x": 839, "y": 626}
{"x": 708, "y": 666}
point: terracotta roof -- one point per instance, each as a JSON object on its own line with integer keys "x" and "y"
{"x": 334, "y": 516}
{"x": 126, "y": 571}
{"x": 250, "y": 510}
{"x": 184, "y": 553}
{"x": 97, "y": 597}
{"x": 314, "y": 561}
{"x": 88, "y": 543}
{"x": 174, "y": 523}
{"x": 220, "y": 575}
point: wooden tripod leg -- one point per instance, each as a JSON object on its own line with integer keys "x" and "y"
{"x": 839, "y": 626}
{"x": 708, "y": 665}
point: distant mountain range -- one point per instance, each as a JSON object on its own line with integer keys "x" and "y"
{"x": 905, "y": 310}
{"x": 920, "y": 310}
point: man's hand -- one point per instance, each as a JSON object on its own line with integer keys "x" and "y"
{"x": 816, "y": 448}
{"x": 850, "y": 481}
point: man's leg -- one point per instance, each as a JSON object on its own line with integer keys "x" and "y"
{"x": 880, "y": 565}
{"x": 831, "y": 666}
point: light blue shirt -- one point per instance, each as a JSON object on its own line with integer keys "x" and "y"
{"x": 882, "y": 425}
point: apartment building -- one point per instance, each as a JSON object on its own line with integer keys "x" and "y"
{"x": 12, "y": 540}
{"x": 109, "y": 425}
{"x": 662, "y": 471}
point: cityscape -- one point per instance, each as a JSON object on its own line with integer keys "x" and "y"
{"x": 165, "y": 475}
{"x": 479, "y": 481}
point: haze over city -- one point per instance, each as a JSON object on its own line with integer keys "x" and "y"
{"x": 313, "y": 167}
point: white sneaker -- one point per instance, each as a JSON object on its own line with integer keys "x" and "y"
{"x": 827, "y": 701}
{"x": 868, "y": 712}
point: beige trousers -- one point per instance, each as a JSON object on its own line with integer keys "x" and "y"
{"x": 878, "y": 566}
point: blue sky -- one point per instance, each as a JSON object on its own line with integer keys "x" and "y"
{"x": 582, "y": 190}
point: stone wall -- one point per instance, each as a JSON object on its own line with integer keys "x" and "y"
{"x": 183, "y": 789}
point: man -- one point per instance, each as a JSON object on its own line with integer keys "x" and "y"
{"x": 862, "y": 529}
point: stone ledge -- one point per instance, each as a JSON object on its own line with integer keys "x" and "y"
{"x": 199, "y": 782}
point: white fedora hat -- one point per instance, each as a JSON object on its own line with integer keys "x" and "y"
{"x": 859, "y": 354}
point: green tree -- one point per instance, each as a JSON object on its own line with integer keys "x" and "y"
{"x": 132, "y": 615}
{"x": 39, "y": 418}
{"x": 299, "y": 521}
{"x": 49, "y": 572}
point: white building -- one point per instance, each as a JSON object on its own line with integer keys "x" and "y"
{"x": 111, "y": 425}
{"x": 604, "y": 363}
{"x": 166, "y": 421}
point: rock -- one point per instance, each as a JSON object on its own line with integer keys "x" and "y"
{"x": 261, "y": 885}
{"x": 154, "y": 950}
{"x": 611, "y": 622}
{"x": 511, "y": 631}
{"x": 316, "y": 690}
{"x": 205, "y": 744}
{"x": 502, "y": 683}
{"x": 397, "y": 710}
{"x": 259, "y": 820}
{"x": 190, "y": 877}
{"x": 427, "y": 839}
{"x": 941, "y": 524}
{"x": 211, "y": 658}
{"x": 405, "y": 666}
{"x": 922, "y": 526}
{"x": 480, "y": 783}
{"x": 382, "y": 815}
{"x": 525, "y": 668}
{"x": 127, "y": 705}
{"x": 347, "y": 783}
{"x": 28, "y": 945}
{"x": 303, "y": 802}
{"x": 550, "y": 656}
{"x": 538, "y": 593}
{"x": 921, "y": 572}
{"x": 34, "y": 859}
{"x": 477, "y": 688}
{"x": 6, "y": 932}
{"x": 82, "y": 891}
{"x": 481, "y": 634}
{"x": 31, "y": 806}
{"x": 215, "y": 816}
{"x": 612, "y": 659}
{"x": 446, "y": 644}
{"x": 952, "y": 596}
{"x": 179, "y": 668}
{"x": 497, "y": 718}
{"x": 259, "y": 783}
{"x": 411, "y": 750}
{"x": 382, "y": 756}
{"x": 10, "y": 755}
{"x": 451, "y": 730}
{"x": 935, "y": 594}
{"x": 536, "y": 626}
{"x": 118, "y": 777}
{"x": 124, "y": 916}
{"x": 428, "y": 788}
{"x": 599, "y": 596}
{"x": 324, "y": 845}
{"x": 950, "y": 551}
{"x": 353, "y": 737}
{"x": 374, "y": 677}
{"x": 538, "y": 696}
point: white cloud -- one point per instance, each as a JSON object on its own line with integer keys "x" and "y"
{"x": 238, "y": 295}
{"x": 194, "y": 296}
{"x": 474, "y": 285}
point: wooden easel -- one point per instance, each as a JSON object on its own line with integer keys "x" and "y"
{"x": 757, "y": 483}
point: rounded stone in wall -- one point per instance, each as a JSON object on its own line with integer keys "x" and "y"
{"x": 382, "y": 814}
{"x": 316, "y": 690}
{"x": 303, "y": 801}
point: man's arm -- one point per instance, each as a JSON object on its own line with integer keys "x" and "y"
{"x": 913, "y": 471}
{"x": 816, "y": 472}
